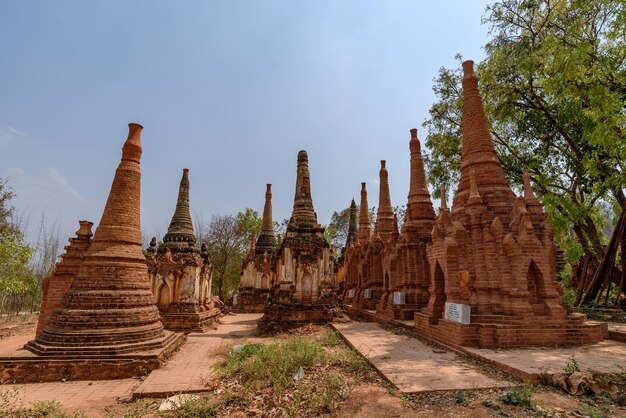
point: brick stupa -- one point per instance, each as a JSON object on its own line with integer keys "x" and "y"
{"x": 109, "y": 311}
{"x": 495, "y": 254}
{"x": 350, "y": 270}
{"x": 180, "y": 272}
{"x": 257, "y": 271}
{"x": 408, "y": 267}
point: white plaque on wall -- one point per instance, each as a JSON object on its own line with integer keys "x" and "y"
{"x": 399, "y": 298}
{"x": 458, "y": 312}
{"x": 367, "y": 293}
{"x": 351, "y": 293}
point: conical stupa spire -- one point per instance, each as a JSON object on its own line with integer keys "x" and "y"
{"x": 267, "y": 240}
{"x": 478, "y": 152}
{"x": 422, "y": 214}
{"x": 303, "y": 213}
{"x": 110, "y": 303}
{"x": 384, "y": 216}
{"x": 352, "y": 226}
{"x": 180, "y": 232}
{"x": 364, "y": 217}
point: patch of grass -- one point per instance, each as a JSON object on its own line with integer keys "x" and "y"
{"x": 258, "y": 365}
{"x": 495, "y": 407}
{"x": 571, "y": 366}
{"x": 11, "y": 406}
{"x": 459, "y": 398}
{"x": 347, "y": 360}
{"x": 202, "y": 407}
{"x": 330, "y": 339}
{"x": 519, "y": 396}
{"x": 316, "y": 397}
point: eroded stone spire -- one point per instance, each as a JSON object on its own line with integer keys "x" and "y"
{"x": 478, "y": 152}
{"x": 110, "y": 303}
{"x": 352, "y": 226}
{"x": 422, "y": 214}
{"x": 303, "y": 213}
{"x": 267, "y": 240}
{"x": 180, "y": 234}
{"x": 364, "y": 217}
{"x": 384, "y": 216}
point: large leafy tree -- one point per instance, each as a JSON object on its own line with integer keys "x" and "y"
{"x": 554, "y": 86}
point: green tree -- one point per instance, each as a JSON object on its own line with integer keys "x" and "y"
{"x": 249, "y": 223}
{"x": 228, "y": 239}
{"x": 554, "y": 87}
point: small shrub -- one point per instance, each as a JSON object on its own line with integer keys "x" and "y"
{"x": 571, "y": 366}
{"x": 459, "y": 398}
{"x": 46, "y": 408}
{"x": 519, "y": 396}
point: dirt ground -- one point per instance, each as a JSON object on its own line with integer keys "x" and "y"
{"x": 17, "y": 325}
{"x": 369, "y": 397}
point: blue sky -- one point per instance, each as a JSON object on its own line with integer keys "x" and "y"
{"x": 230, "y": 89}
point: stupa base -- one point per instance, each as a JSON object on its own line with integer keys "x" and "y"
{"x": 36, "y": 362}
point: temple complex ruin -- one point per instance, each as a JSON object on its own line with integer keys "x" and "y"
{"x": 481, "y": 274}
{"x": 180, "y": 272}
{"x": 258, "y": 271}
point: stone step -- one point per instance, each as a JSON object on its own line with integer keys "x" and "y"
{"x": 43, "y": 349}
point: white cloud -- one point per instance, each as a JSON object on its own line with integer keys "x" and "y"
{"x": 10, "y": 134}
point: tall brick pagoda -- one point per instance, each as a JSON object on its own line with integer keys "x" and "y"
{"x": 373, "y": 285}
{"x": 304, "y": 290}
{"x": 492, "y": 259}
{"x": 351, "y": 269}
{"x": 258, "y": 269}
{"x": 180, "y": 272}
{"x": 407, "y": 260}
{"x": 109, "y": 311}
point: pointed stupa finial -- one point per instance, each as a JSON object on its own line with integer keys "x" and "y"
{"x": 252, "y": 246}
{"x": 267, "y": 239}
{"x": 352, "y": 226}
{"x": 364, "y": 216}
{"x": 395, "y": 233}
{"x": 180, "y": 234}
{"x": 444, "y": 197}
{"x": 303, "y": 213}
{"x": 384, "y": 216}
{"x": 529, "y": 195}
{"x": 422, "y": 213}
{"x": 478, "y": 151}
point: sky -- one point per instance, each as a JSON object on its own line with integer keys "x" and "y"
{"x": 231, "y": 90}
